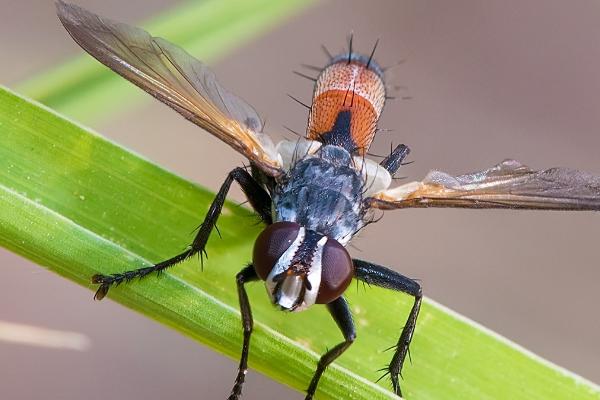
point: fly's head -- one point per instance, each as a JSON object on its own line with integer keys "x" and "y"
{"x": 301, "y": 267}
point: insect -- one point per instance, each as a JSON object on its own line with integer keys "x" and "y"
{"x": 316, "y": 193}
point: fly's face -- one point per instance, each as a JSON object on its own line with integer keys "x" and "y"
{"x": 301, "y": 267}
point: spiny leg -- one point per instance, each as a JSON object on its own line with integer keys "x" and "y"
{"x": 394, "y": 160}
{"x": 259, "y": 200}
{"x": 380, "y": 276}
{"x": 248, "y": 274}
{"x": 340, "y": 312}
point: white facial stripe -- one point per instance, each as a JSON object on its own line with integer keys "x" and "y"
{"x": 290, "y": 291}
{"x": 284, "y": 262}
{"x": 292, "y": 287}
{"x": 314, "y": 277}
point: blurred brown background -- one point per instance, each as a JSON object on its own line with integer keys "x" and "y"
{"x": 488, "y": 80}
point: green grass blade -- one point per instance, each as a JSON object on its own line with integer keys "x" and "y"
{"x": 85, "y": 90}
{"x": 79, "y": 205}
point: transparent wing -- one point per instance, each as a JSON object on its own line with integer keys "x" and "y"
{"x": 509, "y": 184}
{"x": 174, "y": 77}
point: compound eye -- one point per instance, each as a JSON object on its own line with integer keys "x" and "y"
{"x": 337, "y": 271}
{"x": 271, "y": 244}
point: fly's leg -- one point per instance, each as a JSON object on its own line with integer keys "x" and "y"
{"x": 248, "y": 274}
{"x": 394, "y": 160}
{"x": 380, "y": 276}
{"x": 259, "y": 200}
{"x": 340, "y": 312}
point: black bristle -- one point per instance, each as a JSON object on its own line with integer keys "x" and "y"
{"x": 310, "y": 78}
{"x": 299, "y": 102}
{"x": 350, "y": 47}
{"x": 292, "y": 131}
{"x": 312, "y": 67}
{"x": 385, "y": 69}
{"x": 327, "y": 52}
{"x": 372, "y": 53}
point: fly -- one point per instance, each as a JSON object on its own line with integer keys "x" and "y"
{"x": 316, "y": 193}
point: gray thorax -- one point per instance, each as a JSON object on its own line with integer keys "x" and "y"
{"x": 323, "y": 193}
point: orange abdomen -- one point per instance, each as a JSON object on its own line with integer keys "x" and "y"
{"x": 347, "y": 102}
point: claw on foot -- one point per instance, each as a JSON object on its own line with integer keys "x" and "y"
{"x": 101, "y": 280}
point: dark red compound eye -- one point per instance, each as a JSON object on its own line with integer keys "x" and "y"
{"x": 271, "y": 244}
{"x": 337, "y": 271}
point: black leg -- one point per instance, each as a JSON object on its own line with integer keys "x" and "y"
{"x": 341, "y": 314}
{"x": 394, "y": 160}
{"x": 259, "y": 200}
{"x": 380, "y": 276}
{"x": 248, "y": 274}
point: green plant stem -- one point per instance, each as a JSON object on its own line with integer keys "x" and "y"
{"x": 78, "y": 204}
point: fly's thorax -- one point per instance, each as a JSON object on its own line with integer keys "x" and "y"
{"x": 301, "y": 267}
{"x": 322, "y": 192}
{"x": 324, "y": 187}
{"x": 376, "y": 178}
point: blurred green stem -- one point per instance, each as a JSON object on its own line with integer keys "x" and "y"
{"x": 85, "y": 90}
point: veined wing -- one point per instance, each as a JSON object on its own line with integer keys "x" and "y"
{"x": 174, "y": 77}
{"x": 509, "y": 184}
